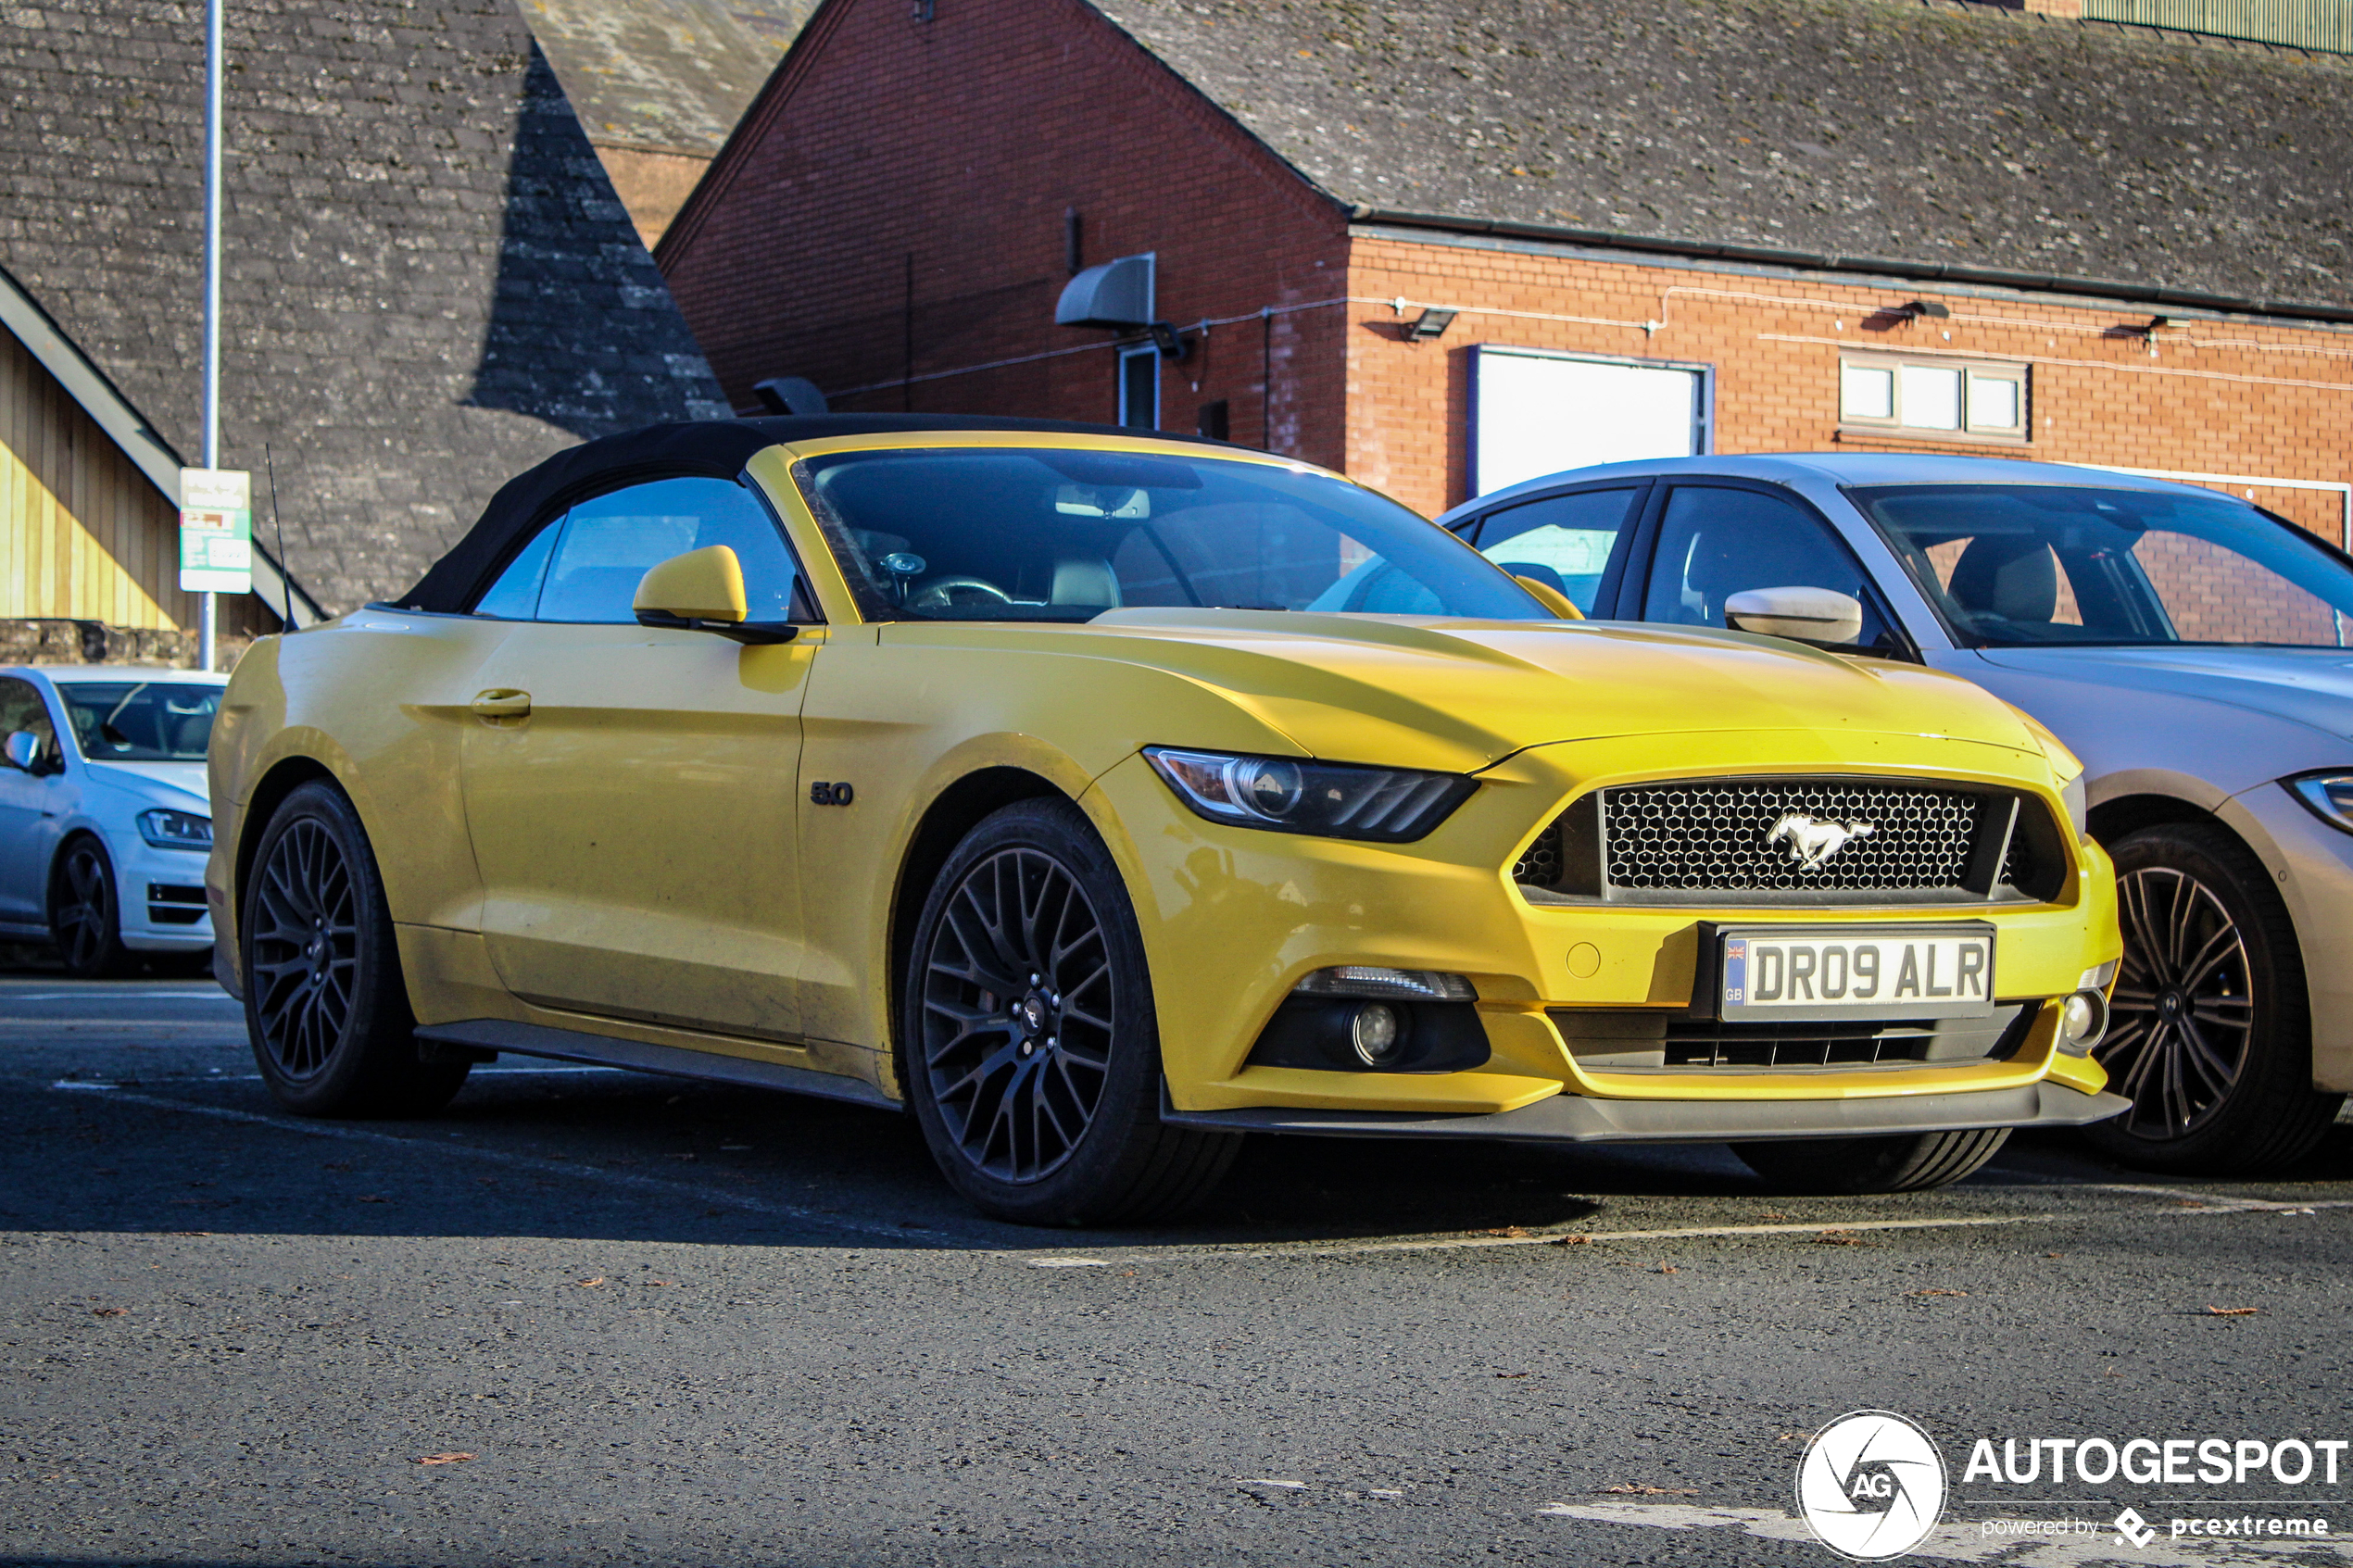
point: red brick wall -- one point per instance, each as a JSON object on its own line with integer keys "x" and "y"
{"x": 959, "y": 142}
{"x": 2214, "y": 397}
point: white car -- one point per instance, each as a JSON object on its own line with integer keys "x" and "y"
{"x": 104, "y": 819}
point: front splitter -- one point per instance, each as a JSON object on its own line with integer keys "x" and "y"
{"x": 1580, "y": 1119}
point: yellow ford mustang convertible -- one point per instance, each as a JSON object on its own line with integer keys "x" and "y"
{"x": 1103, "y": 797}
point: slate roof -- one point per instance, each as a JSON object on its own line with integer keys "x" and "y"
{"x": 665, "y": 75}
{"x": 1926, "y": 129}
{"x": 429, "y": 285}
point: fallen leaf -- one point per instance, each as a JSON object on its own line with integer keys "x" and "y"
{"x": 108, "y": 1312}
{"x": 658, "y": 1281}
{"x": 2188, "y": 1203}
{"x": 443, "y": 1458}
{"x": 1935, "y": 1292}
{"x": 1669, "y": 1269}
{"x": 1770, "y": 1214}
{"x": 1838, "y": 1238}
{"x": 187, "y": 1233}
{"x": 1573, "y": 1241}
{"x": 2054, "y": 1254}
{"x": 2232, "y": 1311}
{"x": 1504, "y": 1230}
{"x": 1656, "y": 1491}
{"x": 585, "y": 1284}
{"x": 1790, "y": 1438}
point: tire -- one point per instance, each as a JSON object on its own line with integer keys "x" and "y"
{"x": 1910, "y": 1162}
{"x": 1031, "y": 1045}
{"x": 86, "y": 912}
{"x": 325, "y": 1004}
{"x": 2210, "y": 1031}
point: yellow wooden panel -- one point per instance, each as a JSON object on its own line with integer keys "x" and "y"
{"x": 84, "y": 535}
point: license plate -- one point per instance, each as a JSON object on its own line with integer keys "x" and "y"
{"x": 1856, "y": 971}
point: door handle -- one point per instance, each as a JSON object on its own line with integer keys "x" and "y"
{"x": 501, "y": 702}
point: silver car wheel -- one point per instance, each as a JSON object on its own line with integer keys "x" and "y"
{"x": 2185, "y": 1004}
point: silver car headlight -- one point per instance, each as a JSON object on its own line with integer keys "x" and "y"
{"x": 176, "y": 830}
{"x": 2330, "y": 796}
{"x": 1293, "y": 795}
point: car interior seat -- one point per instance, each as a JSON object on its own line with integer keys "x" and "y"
{"x": 2012, "y": 576}
{"x": 1084, "y": 580}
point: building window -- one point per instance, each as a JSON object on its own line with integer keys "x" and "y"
{"x": 1981, "y": 400}
{"x": 1139, "y": 387}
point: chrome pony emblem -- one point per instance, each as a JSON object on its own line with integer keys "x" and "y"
{"x": 1812, "y": 842}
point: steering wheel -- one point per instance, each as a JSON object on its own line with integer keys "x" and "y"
{"x": 939, "y": 593}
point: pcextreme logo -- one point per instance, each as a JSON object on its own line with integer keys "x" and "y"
{"x": 1871, "y": 1486}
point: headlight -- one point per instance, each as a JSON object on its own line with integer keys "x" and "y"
{"x": 176, "y": 830}
{"x": 2329, "y": 795}
{"x": 1286, "y": 795}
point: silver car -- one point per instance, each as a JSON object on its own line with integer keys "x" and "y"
{"x": 105, "y": 822}
{"x": 2190, "y": 648}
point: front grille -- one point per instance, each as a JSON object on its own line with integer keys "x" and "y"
{"x": 1622, "y": 1042}
{"x": 1717, "y": 836}
{"x": 1796, "y": 841}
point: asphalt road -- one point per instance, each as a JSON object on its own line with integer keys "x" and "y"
{"x": 661, "y": 1323}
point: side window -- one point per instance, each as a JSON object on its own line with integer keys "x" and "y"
{"x": 21, "y": 708}
{"x": 1715, "y": 543}
{"x": 1562, "y": 541}
{"x": 515, "y": 596}
{"x": 609, "y": 544}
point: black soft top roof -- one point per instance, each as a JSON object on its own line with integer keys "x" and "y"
{"x": 717, "y": 448}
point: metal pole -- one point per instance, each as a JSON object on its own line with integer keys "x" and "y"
{"x": 206, "y": 653}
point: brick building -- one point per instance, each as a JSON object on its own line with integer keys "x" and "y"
{"x": 429, "y": 285}
{"x": 1445, "y": 249}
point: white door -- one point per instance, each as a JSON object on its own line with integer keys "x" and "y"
{"x": 1535, "y": 413}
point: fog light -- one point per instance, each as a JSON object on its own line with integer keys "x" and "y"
{"x": 1374, "y": 1034}
{"x": 2082, "y": 1020}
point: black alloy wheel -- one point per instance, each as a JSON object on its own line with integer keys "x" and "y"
{"x": 1018, "y": 998}
{"x": 2211, "y": 1030}
{"x": 85, "y": 918}
{"x": 303, "y": 962}
{"x": 1905, "y": 1162}
{"x": 325, "y": 1004}
{"x": 1031, "y": 1046}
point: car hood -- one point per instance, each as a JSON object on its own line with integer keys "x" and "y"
{"x": 1466, "y": 694}
{"x": 180, "y": 785}
{"x": 2312, "y": 686}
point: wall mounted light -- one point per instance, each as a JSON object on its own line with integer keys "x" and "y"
{"x": 1172, "y": 343}
{"x": 1432, "y": 322}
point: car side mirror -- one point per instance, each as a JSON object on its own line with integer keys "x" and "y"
{"x": 22, "y": 751}
{"x": 1822, "y": 617}
{"x": 703, "y": 590}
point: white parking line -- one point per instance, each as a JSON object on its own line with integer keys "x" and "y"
{"x": 1963, "y": 1541}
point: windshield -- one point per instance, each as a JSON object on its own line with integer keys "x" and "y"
{"x": 2024, "y": 566}
{"x": 996, "y": 534}
{"x": 140, "y": 722}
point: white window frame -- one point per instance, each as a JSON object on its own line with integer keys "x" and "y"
{"x": 2016, "y": 373}
{"x": 1152, "y": 420}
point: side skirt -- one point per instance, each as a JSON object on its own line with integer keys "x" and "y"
{"x": 672, "y": 1061}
